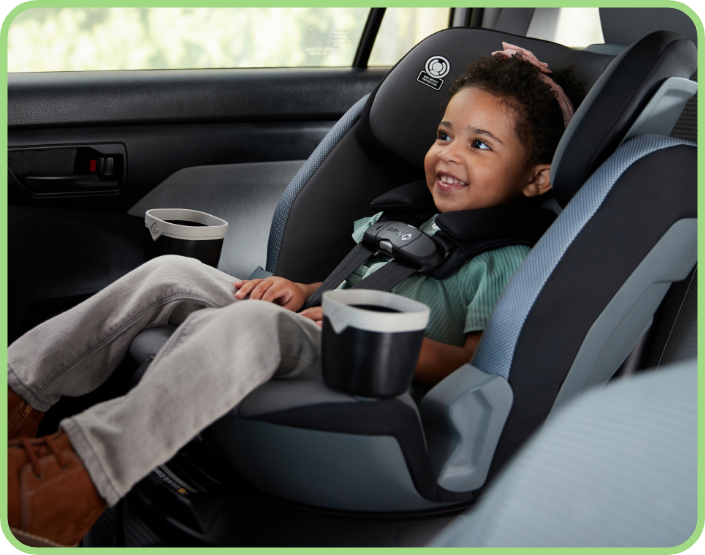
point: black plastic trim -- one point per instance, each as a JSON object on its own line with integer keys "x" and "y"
{"x": 367, "y": 41}
{"x": 91, "y": 98}
{"x": 387, "y": 417}
{"x": 476, "y": 15}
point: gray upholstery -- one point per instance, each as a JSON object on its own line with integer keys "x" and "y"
{"x": 298, "y": 182}
{"x": 618, "y": 468}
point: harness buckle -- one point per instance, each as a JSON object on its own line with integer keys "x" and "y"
{"x": 405, "y": 243}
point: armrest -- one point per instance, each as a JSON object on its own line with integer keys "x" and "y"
{"x": 463, "y": 417}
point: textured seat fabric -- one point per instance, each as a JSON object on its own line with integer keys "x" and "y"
{"x": 617, "y": 469}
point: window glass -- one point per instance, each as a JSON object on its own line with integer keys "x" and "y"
{"x": 404, "y": 28}
{"x": 576, "y": 27}
{"x": 73, "y": 39}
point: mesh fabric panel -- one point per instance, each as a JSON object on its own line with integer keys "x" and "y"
{"x": 496, "y": 350}
{"x": 687, "y": 125}
{"x": 682, "y": 342}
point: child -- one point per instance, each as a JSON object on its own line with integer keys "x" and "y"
{"x": 494, "y": 147}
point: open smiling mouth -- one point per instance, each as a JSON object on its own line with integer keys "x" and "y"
{"x": 448, "y": 183}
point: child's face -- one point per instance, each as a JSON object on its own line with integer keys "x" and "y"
{"x": 477, "y": 160}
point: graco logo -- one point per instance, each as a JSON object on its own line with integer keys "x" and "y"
{"x": 436, "y": 68}
{"x": 406, "y": 237}
{"x": 154, "y": 229}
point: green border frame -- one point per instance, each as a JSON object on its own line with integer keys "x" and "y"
{"x": 314, "y": 3}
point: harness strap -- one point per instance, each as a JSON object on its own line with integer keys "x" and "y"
{"x": 354, "y": 258}
{"x": 389, "y": 275}
{"x": 462, "y": 236}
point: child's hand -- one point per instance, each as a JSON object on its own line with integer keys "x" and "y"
{"x": 314, "y": 313}
{"x": 274, "y": 290}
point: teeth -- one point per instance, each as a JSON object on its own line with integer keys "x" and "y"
{"x": 451, "y": 180}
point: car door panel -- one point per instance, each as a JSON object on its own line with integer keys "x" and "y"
{"x": 154, "y": 152}
{"x": 244, "y": 195}
{"x": 222, "y": 141}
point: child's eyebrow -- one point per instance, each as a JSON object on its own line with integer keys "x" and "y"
{"x": 477, "y": 131}
{"x": 473, "y": 130}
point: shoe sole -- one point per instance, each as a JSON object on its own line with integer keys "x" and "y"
{"x": 35, "y": 541}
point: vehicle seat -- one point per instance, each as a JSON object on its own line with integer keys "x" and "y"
{"x": 567, "y": 320}
{"x": 637, "y": 441}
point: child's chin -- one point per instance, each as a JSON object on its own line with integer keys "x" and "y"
{"x": 445, "y": 205}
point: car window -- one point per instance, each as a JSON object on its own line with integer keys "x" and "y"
{"x": 576, "y": 27}
{"x": 75, "y": 39}
{"x": 402, "y": 29}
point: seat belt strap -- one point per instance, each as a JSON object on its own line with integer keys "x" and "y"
{"x": 349, "y": 264}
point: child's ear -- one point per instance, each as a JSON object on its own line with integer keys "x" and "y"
{"x": 539, "y": 181}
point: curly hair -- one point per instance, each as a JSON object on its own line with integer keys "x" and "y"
{"x": 539, "y": 125}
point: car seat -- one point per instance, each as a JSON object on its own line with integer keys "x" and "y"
{"x": 637, "y": 441}
{"x": 567, "y": 320}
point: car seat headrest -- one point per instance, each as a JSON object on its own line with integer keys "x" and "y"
{"x": 402, "y": 114}
{"x": 612, "y": 106}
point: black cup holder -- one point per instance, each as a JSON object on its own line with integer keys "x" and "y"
{"x": 184, "y": 232}
{"x": 371, "y": 341}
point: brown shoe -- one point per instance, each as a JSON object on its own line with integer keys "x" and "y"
{"x": 22, "y": 420}
{"x": 51, "y": 498}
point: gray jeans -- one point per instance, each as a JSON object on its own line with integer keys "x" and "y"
{"x": 221, "y": 351}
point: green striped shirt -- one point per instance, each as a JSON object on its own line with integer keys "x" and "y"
{"x": 461, "y": 303}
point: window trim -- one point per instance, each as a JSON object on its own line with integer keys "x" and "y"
{"x": 367, "y": 40}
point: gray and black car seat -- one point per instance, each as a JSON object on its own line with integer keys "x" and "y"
{"x": 636, "y": 440}
{"x": 567, "y": 320}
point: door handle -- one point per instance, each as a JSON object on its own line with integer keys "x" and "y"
{"x": 68, "y": 170}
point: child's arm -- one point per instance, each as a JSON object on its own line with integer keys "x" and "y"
{"x": 438, "y": 360}
{"x": 277, "y": 290}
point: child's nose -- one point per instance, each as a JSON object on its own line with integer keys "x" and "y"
{"x": 448, "y": 154}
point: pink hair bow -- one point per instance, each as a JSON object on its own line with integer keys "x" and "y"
{"x": 563, "y": 101}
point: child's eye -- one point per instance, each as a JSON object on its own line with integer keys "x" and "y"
{"x": 442, "y": 136}
{"x": 477, "y": 143}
